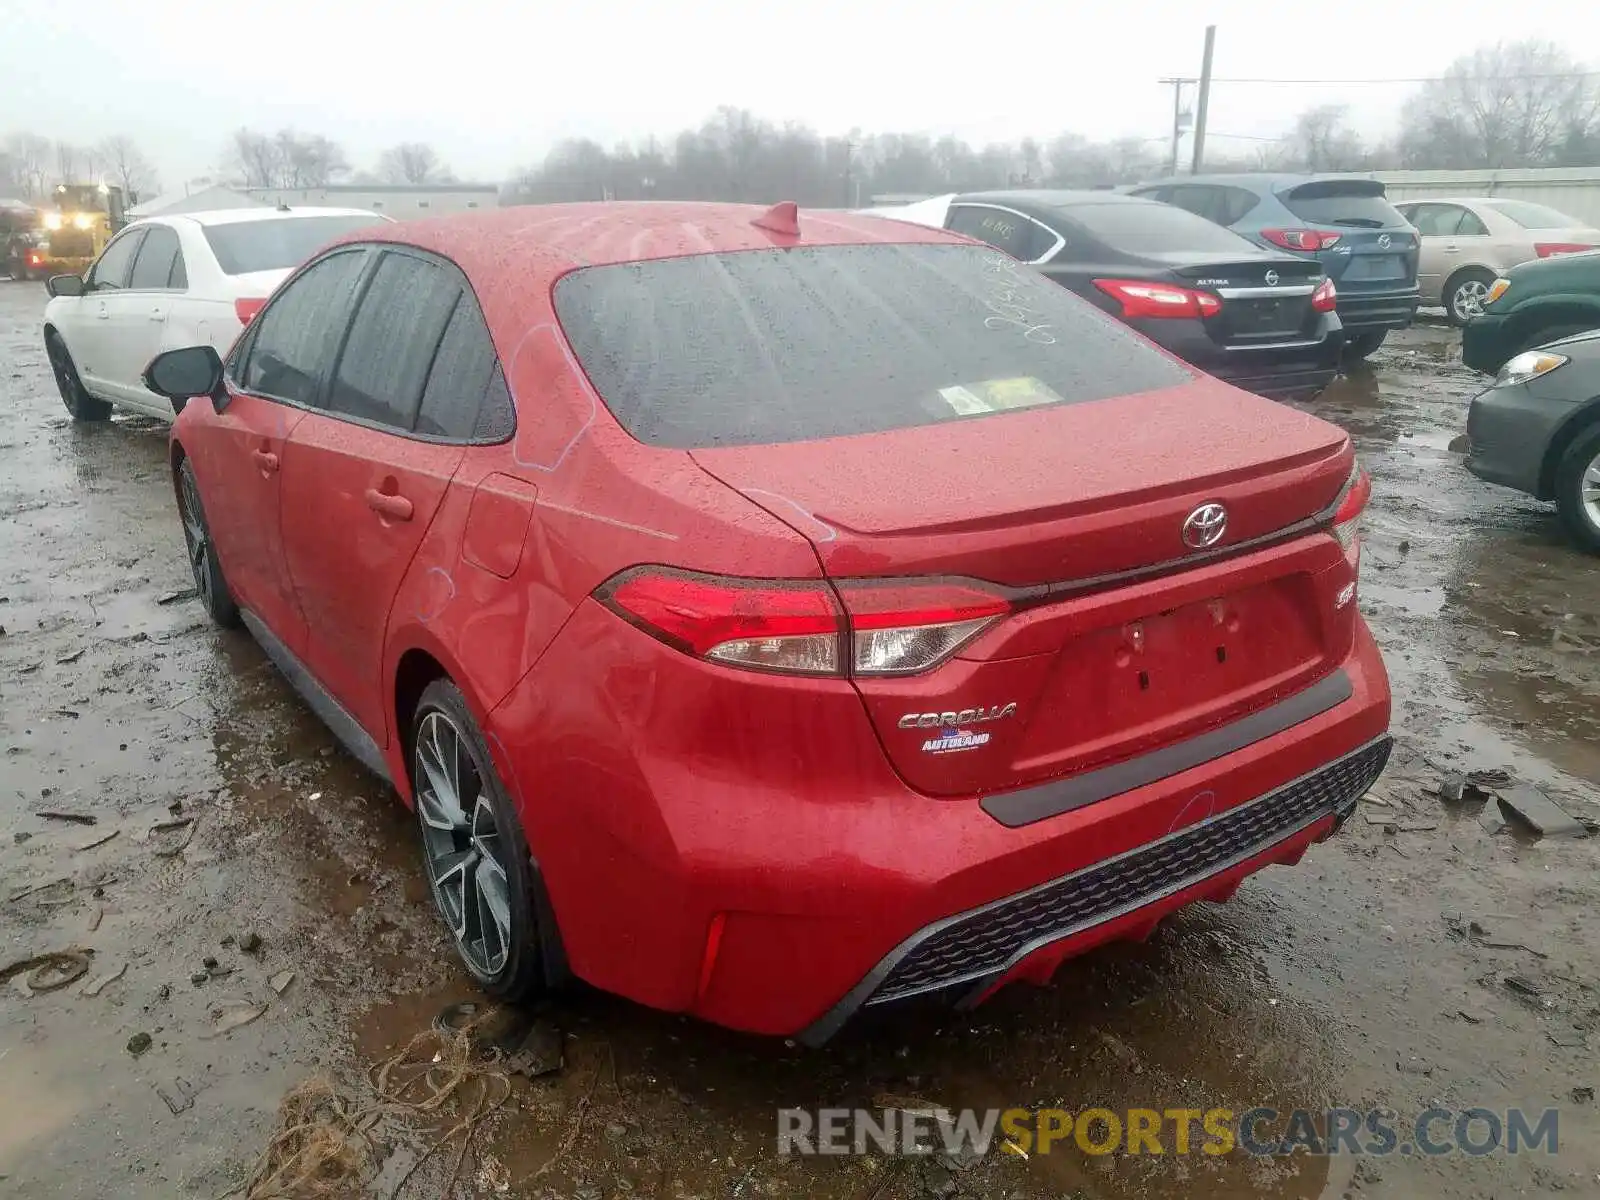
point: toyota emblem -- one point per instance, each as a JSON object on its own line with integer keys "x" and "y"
{"x": 1205, "y": 526}
{"x": 1384, "y": 241}
{"x": 1272, "y": 279}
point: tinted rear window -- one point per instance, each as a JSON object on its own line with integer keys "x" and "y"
{"x": 1356, "y": 203}
{"x": 774, "y": 346}
{"x": 1534, "y": 216}
{"x": 1157, "y": 229}
{"x": 276, "y": 244}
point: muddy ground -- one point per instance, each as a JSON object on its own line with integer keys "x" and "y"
{"x": 1340, "y": 982}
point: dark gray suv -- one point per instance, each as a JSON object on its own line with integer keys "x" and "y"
{"x": 1343, "y": 222}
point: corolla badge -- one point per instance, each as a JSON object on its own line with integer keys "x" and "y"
{"x": 1205, "y": 526}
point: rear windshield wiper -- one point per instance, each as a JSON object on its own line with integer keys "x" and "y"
{"x": 1359, "y": 222}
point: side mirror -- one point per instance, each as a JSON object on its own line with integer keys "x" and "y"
{"x": 181, "y": 374}
{"x": 65, "y": 285}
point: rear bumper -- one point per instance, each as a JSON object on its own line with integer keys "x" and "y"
{"x": 1278, "y": 371}
{"x": 1365, "y": 312}
{"x": 749, "y": 856}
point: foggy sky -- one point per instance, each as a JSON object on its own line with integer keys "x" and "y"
{"x": 492, "y": 83}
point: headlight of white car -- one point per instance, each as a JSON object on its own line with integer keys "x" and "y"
{"x": 1529, "y": 365}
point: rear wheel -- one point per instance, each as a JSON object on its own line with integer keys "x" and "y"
{"x": 1465, "y": 294}
{"x": 1578, "y": 489}
{"x": 476, "y": 855}
{"x": 80, "y": 404}
{"x": 207, "y": 571}
{"x": 1360, "y": 345}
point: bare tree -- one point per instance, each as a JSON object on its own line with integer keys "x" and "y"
{"x": 256, "y": 157}
{"x": 67, "y": 162}
{"x": 1322, "y": 141}
{"x": 412, "y": 162}
{"x": 286, "y": 159}
{"x": 127, "y": 165}
{"x": 30, "y": 157}
{"x": 1523, "y": 104}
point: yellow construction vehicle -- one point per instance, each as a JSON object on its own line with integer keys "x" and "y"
{"x": 79, "y": 219}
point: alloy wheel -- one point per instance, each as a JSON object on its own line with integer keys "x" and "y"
{"x": 463, "y": 845}
{"x": 1589, "y": 491}
{"x": 1469, "y": 297}
{"x": 196, "y": 536}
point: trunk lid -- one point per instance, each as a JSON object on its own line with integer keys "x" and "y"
{"x": 1264, "y": 300}
{"x": 1377, "y": 248}
{"x": 1124, "y": 637}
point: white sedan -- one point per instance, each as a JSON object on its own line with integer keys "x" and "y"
{"x": 167, "y": 282}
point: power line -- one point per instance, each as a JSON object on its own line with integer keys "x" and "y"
{"x": 1416, "y": 79}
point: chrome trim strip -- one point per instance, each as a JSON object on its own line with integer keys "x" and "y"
{"x": 1247, "y": 293}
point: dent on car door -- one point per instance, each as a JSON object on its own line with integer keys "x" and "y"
{"x": 88, "y": 333}
{"x": 363, "y": 483}
{"x": 274, "y": 375}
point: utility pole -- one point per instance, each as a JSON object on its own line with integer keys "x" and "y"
{"x": 1177, "y": 120}
{"x": 1205, "y": 98}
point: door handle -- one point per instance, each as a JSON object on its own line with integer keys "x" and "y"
{"x": 103, "y": 314}
{"x": 396, "y": 508}
{"x": 1452, "y": 249}
{"x": 265, "y": 460}
{"x": 158, "y": 314}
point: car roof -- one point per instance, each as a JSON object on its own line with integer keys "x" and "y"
{"x": 233, "y": 216}
{"x": 561, "y": 236}
{"x": 1257, "y": 181}
{"x": 1048, "y": 198}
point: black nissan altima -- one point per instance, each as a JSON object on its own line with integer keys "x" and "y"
{"x": 1265, "y": 322}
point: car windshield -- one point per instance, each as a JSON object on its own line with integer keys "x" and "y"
{"x": 278, "y": 243}
{"x": 1357, "y": 203}
{"x": 1152, "y": 228}
{"x": 772, "y": 346}
{"x": 1533, "y": 216}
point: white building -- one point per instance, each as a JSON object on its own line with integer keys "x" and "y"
{"x": 400, "y": 200}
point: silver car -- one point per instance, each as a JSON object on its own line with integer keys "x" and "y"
{"x": 1469, "y": 241}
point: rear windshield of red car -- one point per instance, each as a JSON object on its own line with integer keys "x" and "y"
{"x": 277, "y": 243}
{"x": 770, "y": 346}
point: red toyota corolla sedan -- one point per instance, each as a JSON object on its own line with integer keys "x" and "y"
{"x": 770, "y": 615}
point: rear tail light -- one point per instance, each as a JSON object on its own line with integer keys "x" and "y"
{"x": 805, "y": 627}
{"x": 1142, "y": 299}
{"x": 1302, "y": 239}
{"x": 1546, "y": 249}
{"x": 1347, "y": 512}
{"x": 1326, "y": 297}
{"x": 246, "y": 310}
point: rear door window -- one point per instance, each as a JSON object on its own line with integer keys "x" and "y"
{"x": 396, "y": 330}
{"x": 295, "y": 337}
{"x": 153, "y": 267}
{"x": 1021, "y": 237}
{"x": 1357, "y": 203}
{"x": 466, "y": 398}
{"x": 116, "y": 261}
{"x": 775, "y": 346}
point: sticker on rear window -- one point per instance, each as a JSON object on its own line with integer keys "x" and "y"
{"x": 997, "y": 395}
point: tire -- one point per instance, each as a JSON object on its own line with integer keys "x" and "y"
{"x": 203, "y": 562}
{"x": 1465, "y": 293}
{"x": 1553, "y": 333}
{"x": 1360, "y": 345}
{"x": 79, "y": 402}
{"x": 474, "y": 851}
{"x": 1578, "y": 489}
